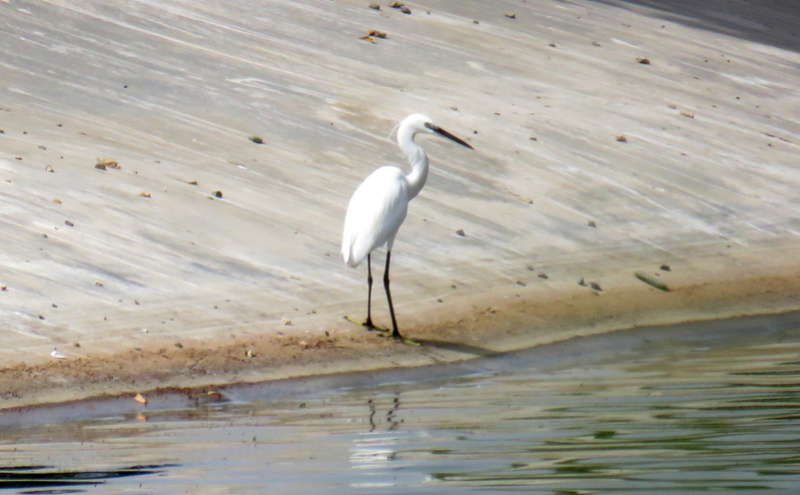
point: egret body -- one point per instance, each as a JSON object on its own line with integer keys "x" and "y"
{"x": 379, "y": 205}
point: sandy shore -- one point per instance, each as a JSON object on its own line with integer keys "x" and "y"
{"x": 516, "y": 319}
{"x": 610, "y": 138}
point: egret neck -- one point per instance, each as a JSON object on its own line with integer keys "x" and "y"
{"x": 416, "y": 158}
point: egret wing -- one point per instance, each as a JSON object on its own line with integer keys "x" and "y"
{"x": 375, "y": 213}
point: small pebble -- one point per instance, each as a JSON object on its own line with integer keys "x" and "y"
{"x": 461, "y": 233}
{"x": 256, "y": 139}
{"x": 595, "y": 286}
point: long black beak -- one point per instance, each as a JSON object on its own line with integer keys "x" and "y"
{"x": 439, "y": 130}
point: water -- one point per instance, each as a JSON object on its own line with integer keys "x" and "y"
{"x": 712, "y": 408}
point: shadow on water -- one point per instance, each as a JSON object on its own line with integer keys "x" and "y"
{"x": 48, "y": 480}
{"x": 771, "y": 22}
{"x": 471, "y": 350}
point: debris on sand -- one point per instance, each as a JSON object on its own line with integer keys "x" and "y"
{"x": 106, "y": 163}
{"x": 658, "y": 284}
{"x": 377, "y": 34}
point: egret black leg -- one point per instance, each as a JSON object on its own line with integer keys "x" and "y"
{"x": 395, "y": 332}
{"x": 368, "y": 323}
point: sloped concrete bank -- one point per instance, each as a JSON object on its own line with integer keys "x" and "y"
{"x": 611, "y": 138}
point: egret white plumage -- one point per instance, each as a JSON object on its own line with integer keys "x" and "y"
{"x": 379, "y": 205}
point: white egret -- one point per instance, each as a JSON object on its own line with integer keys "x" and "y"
{"x": 379, "y": 205}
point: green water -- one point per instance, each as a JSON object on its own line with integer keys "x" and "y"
{"x": 658, "y": 416}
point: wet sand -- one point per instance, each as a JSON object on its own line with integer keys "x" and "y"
{"x": 143, "y": 277}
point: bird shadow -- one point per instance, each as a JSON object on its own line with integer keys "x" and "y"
{"x": 458, "y": 347}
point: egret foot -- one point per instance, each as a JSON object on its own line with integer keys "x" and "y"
{"x": 408, "y": 341}
{"x": 368, "y": 324}
{"x": 387, "y": 334}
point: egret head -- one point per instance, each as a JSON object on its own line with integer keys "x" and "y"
{"x": 419, "y": 123}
